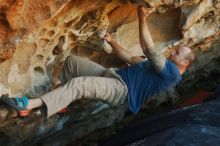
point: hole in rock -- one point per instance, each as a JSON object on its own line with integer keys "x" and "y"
{"x": 39, "y": 69}
{"x": 72, "y": 37}
{"x": 44, "y": 42}
{"x": 57, "y": 51}
{"x": 89, "y": 18}
{"x": 61, "y": 42}
{"x": 53, "y": 23}
{"x": 39, "y": 57}
{"x": 59, "y": 47}
{"x": 51, "y": 33}
{"x": 42, "y": 31}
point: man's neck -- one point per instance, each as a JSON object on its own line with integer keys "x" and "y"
{"x": 181, "y": 68}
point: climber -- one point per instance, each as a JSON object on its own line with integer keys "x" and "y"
{"x": 82, "y": 78}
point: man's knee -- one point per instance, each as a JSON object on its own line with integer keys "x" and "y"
{"x": 70, "y": 60}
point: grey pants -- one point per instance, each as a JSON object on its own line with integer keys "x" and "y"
{"x": 82, "y": 78}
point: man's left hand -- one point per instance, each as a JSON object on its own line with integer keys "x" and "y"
{"x": 108, "y": 38}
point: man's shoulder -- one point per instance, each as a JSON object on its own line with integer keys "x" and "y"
{"x": 169, "y": 65}
{"x": 171, "y": 71}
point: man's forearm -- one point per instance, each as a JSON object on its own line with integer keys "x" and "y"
{"x": 154, "y": 56}
{"x": 146, "y": 40}
{"x": 121, "y": 52}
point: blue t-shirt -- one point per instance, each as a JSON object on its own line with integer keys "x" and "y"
{"x": 143, "y": 81}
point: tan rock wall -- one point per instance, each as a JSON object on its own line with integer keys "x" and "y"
{"x": 36, "y": 36}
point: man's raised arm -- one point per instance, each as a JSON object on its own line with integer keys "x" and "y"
{"x": 156, "y": 58}
{"x": 124, "y": 54}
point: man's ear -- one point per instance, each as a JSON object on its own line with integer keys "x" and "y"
{"x": 186, "y": 62}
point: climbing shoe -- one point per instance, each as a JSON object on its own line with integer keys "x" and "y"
{"x": 17, "y": 103}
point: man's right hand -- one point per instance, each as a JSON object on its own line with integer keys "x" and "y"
{"x": 108, "y": 38}
{"x": 143, "y": 12}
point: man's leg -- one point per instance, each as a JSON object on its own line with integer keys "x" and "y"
{"x": 35, "y": 103}
{"x": 76, "y": 66}
{"x": 108, "y": 89}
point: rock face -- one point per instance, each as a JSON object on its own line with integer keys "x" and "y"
{"x": 195, "y": 125}
{"x": 205, "y": 72}
{"x": 37, "y": 36}
{"x": 83, "y": 118}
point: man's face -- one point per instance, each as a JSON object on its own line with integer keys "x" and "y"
{"x": 179, "y": 56}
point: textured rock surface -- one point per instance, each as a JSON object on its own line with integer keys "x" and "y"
{"x": 195, "y": 125}
{"x": 82, "y": 118}
{"x": 36, "y": 36}
{"x": 205, "y": 72}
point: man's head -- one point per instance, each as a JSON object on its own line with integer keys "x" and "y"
{"x": 183, "y": 56}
